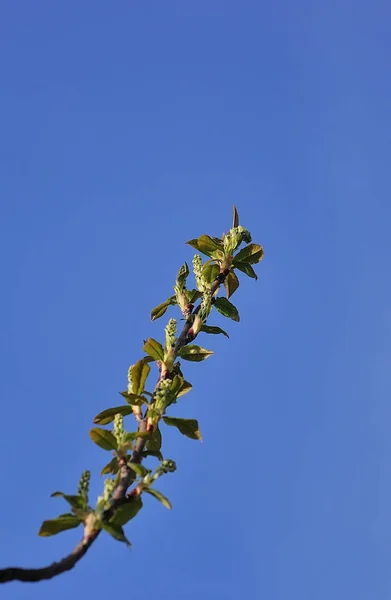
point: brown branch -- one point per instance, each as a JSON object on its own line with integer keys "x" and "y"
{"x": 127, "y": 477}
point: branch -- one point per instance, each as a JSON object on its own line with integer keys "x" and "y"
{"x": 127, "y": 477}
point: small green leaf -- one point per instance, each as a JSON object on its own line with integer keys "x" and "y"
{"x": 140, "y": 470}
{"x": 115, "y": 531}
{"x": 188, "y": 427}
{"x": 214, "y": 330}
{"x": 194, "y": 244}
{"x": 62, "y": 523}
{"x": 194, "y": 353}
{"x": 227, "y": 309}
{"x": 252, "y": 254}
{"x": 127, "y": 511}
{"x": 111, "y": 467}
{"x": 159, "y": 496}
{"x": 133, "y": 435}
{"x": 231, "y": 283}
{"x": 134, "y": 399}
{"x": 182, "y": 275}
{"x": 159, "y": 310}
{"x": 210, "y": 272}
{"x": 103, "y": 438}
{"x": 235, "y": 220}
{"x": 154, "y": 443}
{"x": 107, "y": 416}
{"x": 139, "y": 373}
{"x": 193, "y": 295}
{"x": 185, "y": 387}
{"x": 208, "y": 246}
{"x": 75, "y": 501}
{"x": 245, "y": 268}
{"x": 156, "y": 454}
{"x": 154, "y": 349}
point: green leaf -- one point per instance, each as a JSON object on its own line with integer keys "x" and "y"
{"x": 208, "y": 246}
{"x": 154, "y": 349}
{"x": 252, "y": 254}
{"x": 159, "y": 496}
{"x": 182, "y": 275}
{"x": 194, "y": 244}
{"x": 194, "y": 353}
{"x": 235, "y": 219}
{"x": 214, "y": 330}
{"x": 134, "y": 399}
{"x": 185, "y": 387}
{"x": 111, "y": 467}
{"x": 107, "y": 416}
{"x": 210, "y": 272}
{"x": 231, "y": 283}
{"x": 103, "y": 438}
{"x": 159, "y": 310}
{"x": 156, "y": 454}
{"x": 193, "y": 295}
{"x": 62, "y": 523}
{"x": 127, "y": 511}
{"x": 133, "y": 435}
{"x": 75, "y": 501}
{"x": 140, "y": 470}
{"x": 245, "y": 268}
{"x": 227, "y": 309}
{"x": 154, "y": 443}
{"x": 188, "y": 427}
{"x": 115, "y": 531}
{"x": 179, "y": 387}
{"x": 139, "y": 373}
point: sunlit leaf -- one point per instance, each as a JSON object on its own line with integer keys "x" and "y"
{"x": 252, "y": 254}
{"x": 210, "y": 272}
{"x": 61, "y": 523}
{"x": 194, "y": 353}
{"x": 75, "y": 501}
{"x": 115, "y": 531}
{"x": 231, "y": 283}
{"x": 154, "y": 349}
{"x": 103, "y": 438}
{"x": 111, "y": 467}
{"x": 159, "y": 496}
{"x": 245, "y": 268}
{"x": 188, "y": 427}
{"x": 134, "y": 399}
{"x": 159, "y": 310}
{"x": 107, "y": 416}
{"x": 127, "y": 511}
{"x": 139, "y": 373}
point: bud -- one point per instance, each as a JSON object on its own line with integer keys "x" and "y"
{"x": 119, "y": 429}
{"x": 170, "y": 333}
{"x": 235, "y": 237}
{"x": 84, "y": 484}
{"x": 202, "y": 286}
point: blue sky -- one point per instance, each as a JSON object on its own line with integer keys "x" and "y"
{"x": 128, "y": 129}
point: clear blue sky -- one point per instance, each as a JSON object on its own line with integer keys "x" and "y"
{"x": 128, "y": 128}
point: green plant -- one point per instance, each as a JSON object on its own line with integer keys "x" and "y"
{"x": 119, "y": 504}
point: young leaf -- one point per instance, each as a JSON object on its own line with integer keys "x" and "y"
{"x": 159, "y": 310}
{"x": 127, "y": 511}
{"x": 231, "y": 283}
{"x": 182, "y": 275}
{"x": 252, "y": 254}
{"x": 62, "y": 523}
{"x": 133, "y": 435}
{"x": 154, "y": 349}
{"x": 245, "y": 268}
{"x": 235, "y": 220}
{"x": 111, "y": 467}
{"x": 115, "y": 531}
{"x": 185, "y": 387}
{"x": 156, "y": 454}
{"x": 193, "y": 295}
{"x": 134, "y": 399}
{"x": 208, "y": 246}
{"x": 154, "y": 443}
{"x": 210, "y": 272}
{"x": 194, "y": 244}
{"x": 227, "y": 309}
{"x": 107, "y": 416}
{"x": 139, "y": 373}
{"x": 188, "y": 427}
{"x": 159, "y": 496}
{"x": 103, "y": 438}
{"x": 76, "y": 502}
{"x": 140, "y": 470}
{"x": 214, "y": 330}
{"x": 194, "y": 353}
